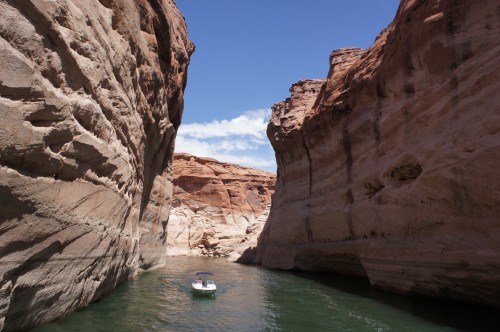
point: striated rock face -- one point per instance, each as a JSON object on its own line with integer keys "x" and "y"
{"x": 391, "y": 171}
{"x": 218, "y": 209}
{"x": 91, "y": 95}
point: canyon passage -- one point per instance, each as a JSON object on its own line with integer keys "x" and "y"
{"x": 387, "y": 169}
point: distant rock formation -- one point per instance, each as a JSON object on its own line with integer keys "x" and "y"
{"x": 91, "y": 95}
{"x": 218, "y": 209}
{"x": 390, "y": 169}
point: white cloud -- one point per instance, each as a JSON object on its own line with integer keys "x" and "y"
{"x": 251, "y": 161}
{"x": 241, "y": 140}
{"x": 251, "y": 123}
{"x": 236, "y": 145}
{"x": 192, "y": 146}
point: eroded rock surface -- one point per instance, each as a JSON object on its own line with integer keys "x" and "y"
{"x": 91, "y": 94}
{"x": 391, "y": 170}
{"x": 218, "y": 209}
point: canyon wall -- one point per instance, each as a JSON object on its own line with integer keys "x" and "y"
{"x": 218, "y": 209}
{"x": 91, "y": 95}
{"x": 389, "y": 169}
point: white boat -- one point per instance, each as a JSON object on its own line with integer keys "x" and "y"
{"x": 203, "y": 286}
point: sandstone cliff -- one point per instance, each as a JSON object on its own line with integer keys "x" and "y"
{"x": 91, "y": 95}
{"x": 218, "y": 209}
{"x": 390, "y": 169}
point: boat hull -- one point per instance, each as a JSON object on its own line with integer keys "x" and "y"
{"x": 200, "y": 289}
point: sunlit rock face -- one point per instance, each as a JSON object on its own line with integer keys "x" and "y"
{"x": 91, "y": 95}
{"x": 390, "y": 170}
{"x": 218, "y": 209}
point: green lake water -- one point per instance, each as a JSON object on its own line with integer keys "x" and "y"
{"x": 250, "y": 298}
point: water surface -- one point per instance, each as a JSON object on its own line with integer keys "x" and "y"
{"x": 250, "y": 298}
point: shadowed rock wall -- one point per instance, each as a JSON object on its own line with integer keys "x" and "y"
{"x": 91, "y": 95}
{"x": 390, "y": 169}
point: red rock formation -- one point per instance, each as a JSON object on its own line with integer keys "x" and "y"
{"x": 216, "y": 207}
{"x": 391, "y": 173}
{"x": 91, "y": 94}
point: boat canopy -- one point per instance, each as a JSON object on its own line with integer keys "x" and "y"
{"x": 210, "y": 273}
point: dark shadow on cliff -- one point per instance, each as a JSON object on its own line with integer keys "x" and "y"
{"x": 462, "y": 317}
{"x": 248, "y": 256}
{"x": 12, "y": 207}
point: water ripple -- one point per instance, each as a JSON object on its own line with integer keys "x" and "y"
{"x": 254, "y": 299}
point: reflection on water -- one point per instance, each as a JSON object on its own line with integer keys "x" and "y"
{"x": 254, "y": 299}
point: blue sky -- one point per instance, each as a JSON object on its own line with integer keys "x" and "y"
{"x": 249, "y": 53}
